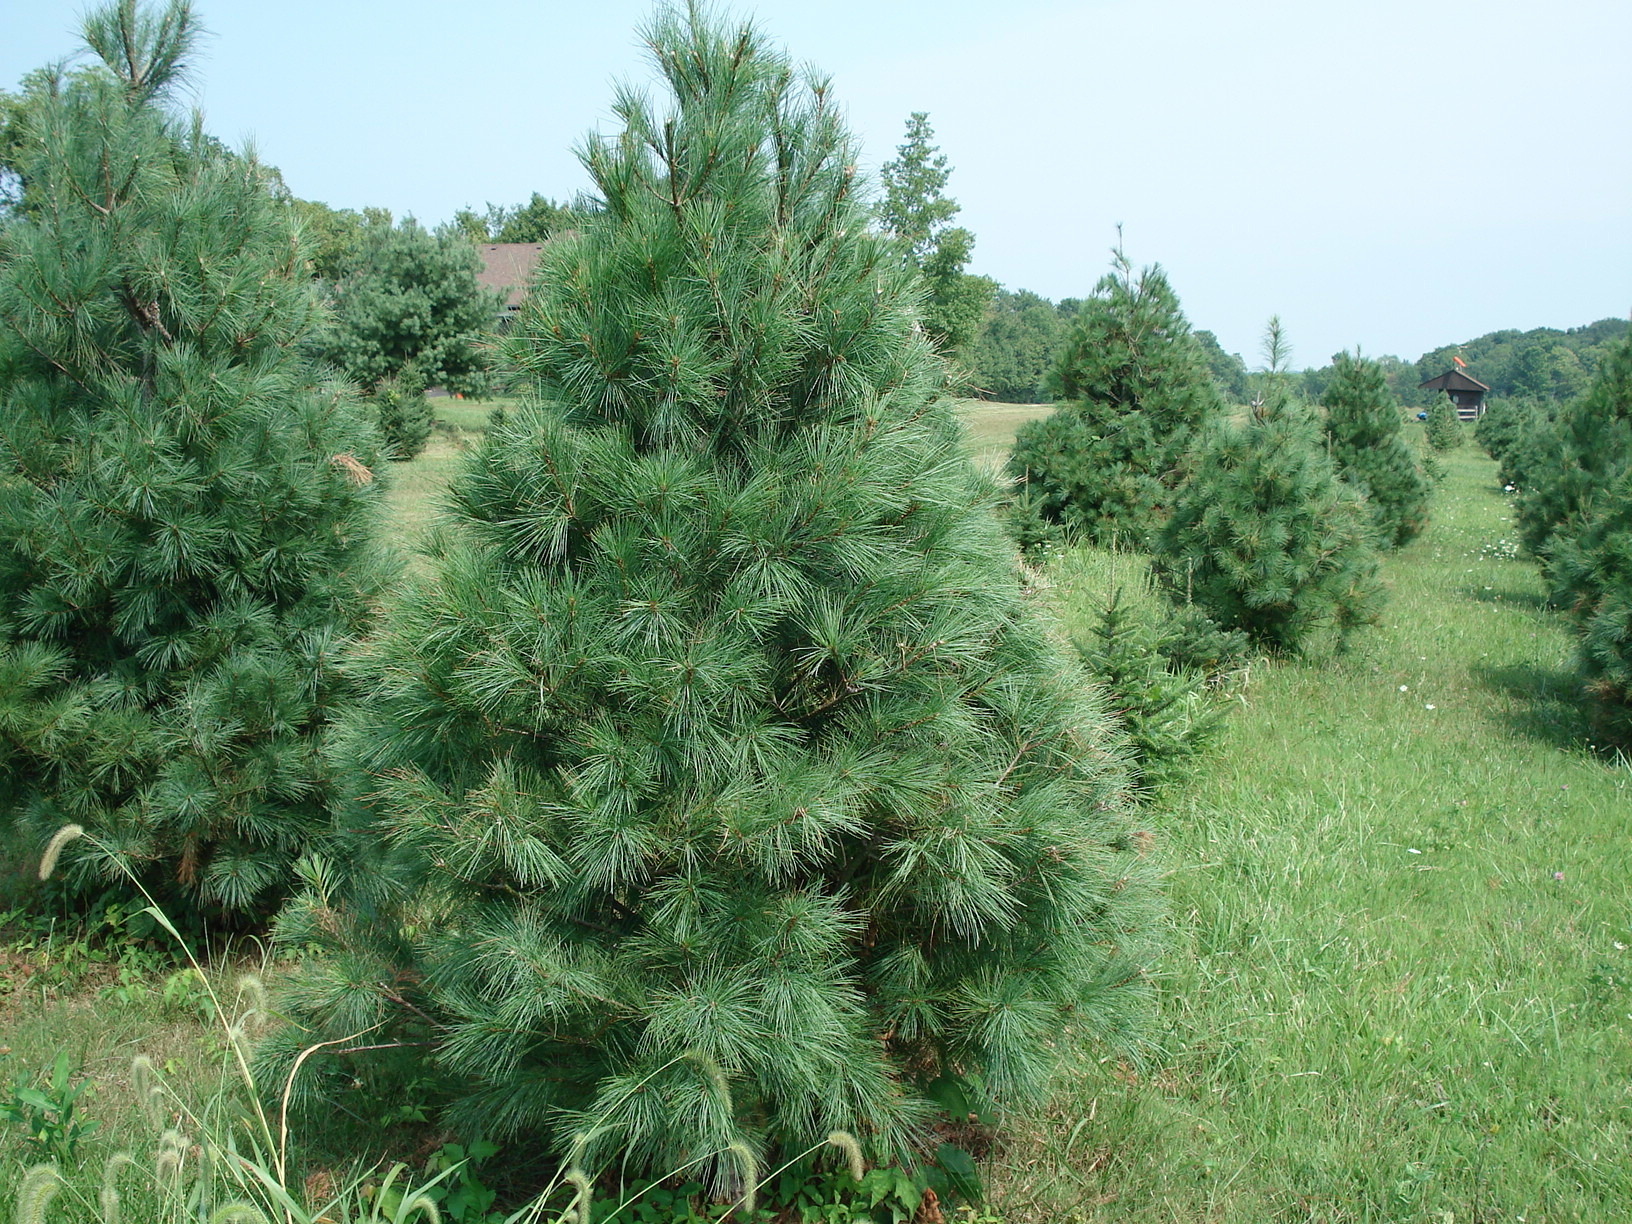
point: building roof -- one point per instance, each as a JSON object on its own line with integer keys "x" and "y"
{"x": 508, "y": 267}
{"x": 1452, "y": 380}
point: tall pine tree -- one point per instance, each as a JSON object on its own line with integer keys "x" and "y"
{"x": 183, "y": 517}
{"x": 1135, "y": 389}
{"x": 917, "y": 213}
{"x": 1366, "y": 436}
{"x": 723, "y": 789}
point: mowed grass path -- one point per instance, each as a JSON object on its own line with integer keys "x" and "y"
{"x": 1398, "y": 981}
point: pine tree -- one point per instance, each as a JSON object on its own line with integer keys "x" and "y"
{"x": 1135, "y": 389}
{"x": 1366, "y": 436}
{"x": 403, "y": 414}
{"x": 721, "y": 788}
{"x": 1266, "y": 539}
{"x": 1576, "y": 515}
{"x": 1444, "y": 428}
{"x": 1568, "y": 464}
{"x": 917, "y": 213}
{"x": 183, "y": 517}
{"x": 410, "y": 306}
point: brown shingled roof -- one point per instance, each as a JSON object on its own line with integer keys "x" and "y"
{"x": 1453, "y": 380}
{"x": 508, "y": 267}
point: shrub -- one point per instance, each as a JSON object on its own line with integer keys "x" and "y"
{"x": 717, "y": 790}
{"x": 1365, "y": 434}
{"x": 184, "y": 521}
{"x": 1266, "y": 539}
{"x": 1142, "y": 660}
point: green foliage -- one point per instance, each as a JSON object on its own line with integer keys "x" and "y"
{"x": 1444, "y": 429}
{"x": 49, "y": 1109}
{"x": 1266, "y": 539}
{"x": 403, "y": 414}
{"x": 1577, "y": 516}
{"x": 183, "y": 518}
{"x": 918, "y": 215}
{"x": 1018, "y": 344}
{"x": 716, "y": 778}
{"x": 1569, "y": 466}
{"x": 409, "y": 305}
{"x": 1142, "y": 659}
{"x": 1510, "y": 430}
{"x": 535, "y": 221}
{"x": 332, "y": 239}
{"x": 1365, "y": 433}
{"x": 1104, "y": 465}
{"x": 1228, "y": 370}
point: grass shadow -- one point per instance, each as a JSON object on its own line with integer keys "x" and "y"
{"x": 1542, "y": 703}
{"x": 1530, "y": 601}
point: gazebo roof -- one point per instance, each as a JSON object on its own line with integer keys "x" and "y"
{"x": 1452, "y": 380}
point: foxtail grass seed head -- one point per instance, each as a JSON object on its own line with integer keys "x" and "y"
{"x": 252, "y": 997}
{"x": 109, "y": 1196}
{"x": 579, "y": 1181}
{"x": 748, "y": 1167}
{"x": 40, "y": 1185}
{"x": 53, "y": 848}
{"x": 144, "y": 1081}
{"x": 711, "y": 1070}
{"x": 172, "y": 1152}
{"x": 846, "y": 1143}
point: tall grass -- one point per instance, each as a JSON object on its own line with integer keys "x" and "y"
{"x": 1402, "y": 934}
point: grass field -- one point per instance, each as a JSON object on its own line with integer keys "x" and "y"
{"x": 1402, "y": 934}
{"x": 1397, "y": 980}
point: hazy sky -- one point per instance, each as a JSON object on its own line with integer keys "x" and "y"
{"x": 1389, "y": 173}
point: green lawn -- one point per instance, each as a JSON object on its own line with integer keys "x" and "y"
{"x": 1398, "y": 982}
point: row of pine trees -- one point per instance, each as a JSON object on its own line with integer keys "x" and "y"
{"x": 1270, "y": 525}
{"x": 1571, "y": 469}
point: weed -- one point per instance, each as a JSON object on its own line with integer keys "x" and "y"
{"x": 49, "y": 1110}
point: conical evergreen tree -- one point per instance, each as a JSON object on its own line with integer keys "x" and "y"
{"x": 1135, "y": 389}
{"x": 1444, "y": 427}
{"x": 1266, "y": 538}
{"x": 1366, "y": 436}
{"x": 1568, "y": 465}
{"x": 723, "y": 788}
{"x": 183, "y": 519}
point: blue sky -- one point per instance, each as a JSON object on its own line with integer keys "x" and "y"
{"x": 1386, "y": 173}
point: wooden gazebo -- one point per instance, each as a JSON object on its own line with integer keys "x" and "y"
{"x": 1468, "y": 394}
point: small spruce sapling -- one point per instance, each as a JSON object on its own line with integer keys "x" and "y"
{"x": 1444, "y": 428}
{"x": 718, "y": 786}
